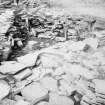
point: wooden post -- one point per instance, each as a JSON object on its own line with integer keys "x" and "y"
{"x": 65, "y": 32}
{"x": 27, "y": 23}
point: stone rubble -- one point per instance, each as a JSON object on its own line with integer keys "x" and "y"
{"x": 54, "y": 79}
{"x": 70, "y": 72}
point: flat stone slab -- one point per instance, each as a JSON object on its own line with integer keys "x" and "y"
{"x": 34, "y": 92}
{"x": 49, "y": 83}
{"x": 11, "y": 68}
{"x": 4, "y": 89}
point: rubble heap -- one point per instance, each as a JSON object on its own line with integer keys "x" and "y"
{"x": 70, "y": 72}
{"x": 64, "y": 74}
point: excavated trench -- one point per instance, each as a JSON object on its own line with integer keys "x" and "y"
{"x": 45, "y": 32}
{"x": 19, "y": 30}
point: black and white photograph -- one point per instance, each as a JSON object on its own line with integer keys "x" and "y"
{"x": 52, "y": 52}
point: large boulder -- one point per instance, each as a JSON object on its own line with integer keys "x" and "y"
{"x": 34, "y": 92}
{"x": 28, "y": 59}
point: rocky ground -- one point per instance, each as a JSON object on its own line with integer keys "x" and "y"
{"x": 50, "y": 57}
